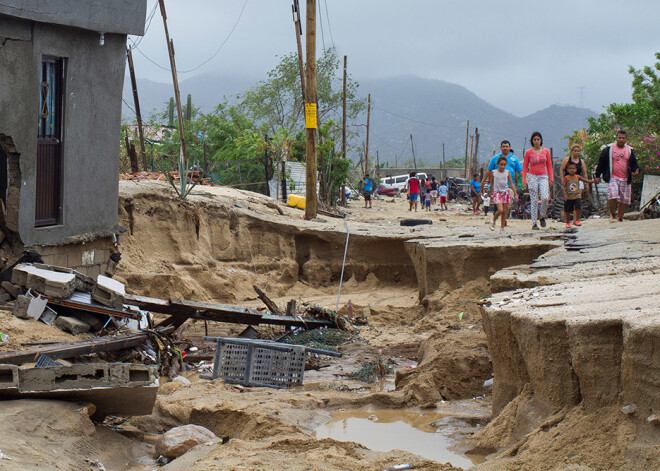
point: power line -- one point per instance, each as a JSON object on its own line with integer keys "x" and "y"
{"x": 206, "y": 61}
{"x": 148, "y": 24}
{"x": 327, "y": 18}
{"x": 321, "y": 23}
{"x": 129, "y": 107}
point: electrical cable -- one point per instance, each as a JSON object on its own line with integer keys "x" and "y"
{"x": 321, "y": 23}
{"x": 327, "y": 18}
{"x": 207, "y": 60}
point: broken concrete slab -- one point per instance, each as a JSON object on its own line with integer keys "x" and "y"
{"x": 109, "y": 292}
{"x": 114, "y": 388}
{"x": 48, "y": 282}
{"x": 93, "y": 320}
{"x": 179, "y": 440}
{"x": 72, "y": 325}
{"x": 12, "y": 289}
{"x": 83, "y": 282}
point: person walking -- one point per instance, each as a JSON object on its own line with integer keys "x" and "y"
{"x": 442, "y": 192}
{"x": 475, "y": 193}
{"x": 412, "y": 187}
{"x": 537, "y": 176}
{"x": 500, "y": 185}
{"x": 367, "y": 189}
{"x": 573, "y": 193}
{"x": 513, "y": 165}
{"x": 617, "y": 165}
{"x": 434, "y": 190}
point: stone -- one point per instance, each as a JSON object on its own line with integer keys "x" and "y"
{"x": 21, "y": 307}
{"x": 179, "y": 440}
{"x": 182, "y": 380}
{"x": 5, "y": 297}
{"x": 93, "y": 320}
{"x": 653, "y": 419}
{"x": 109, "y": 292}
{"x": 71, "y": 324}
{"x": 629, "y": 409}
{"x": 12, "y": 289}
{"x": 166, "y": 389}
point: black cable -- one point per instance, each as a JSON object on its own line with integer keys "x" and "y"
{"x": 327, "y": 18}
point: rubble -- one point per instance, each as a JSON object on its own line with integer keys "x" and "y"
{"x": 47, "y": 282}
{"x": 180, "y": 440}
{"x": 106, "y": 385}
{"x": 109, "y": 292}
{"x": 72, "y": 324}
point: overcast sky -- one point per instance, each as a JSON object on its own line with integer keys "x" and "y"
{"x": 519, "y": 55}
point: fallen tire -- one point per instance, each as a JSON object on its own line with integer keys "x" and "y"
{"x": 415, "y": 222}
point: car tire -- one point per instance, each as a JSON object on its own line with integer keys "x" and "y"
{"x": 415, "y": 222}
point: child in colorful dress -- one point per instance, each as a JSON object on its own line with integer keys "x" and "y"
{"x": 500, "y": 181}
{"x": 573, "y": 193}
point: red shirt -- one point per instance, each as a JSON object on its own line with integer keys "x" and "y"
{"x": 413, "y": 185}
{"x": 537, "y": 164}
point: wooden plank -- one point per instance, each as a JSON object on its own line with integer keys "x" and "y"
{"x": 182, "y": 309}
{"x": 95, "y": 308}
{"x": 267, "y": 301}
{"x": 74, "y": 349}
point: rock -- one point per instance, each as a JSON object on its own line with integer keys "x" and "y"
{"x": 488, "y": 383}
{"x": 92, "y": 319}
{"x": 14, "y": 290}
{"x": 653, "y": 419}
{"x": 5, "y": 297}
{"x": 168, "y": 388}
{"x": 21, "y": 307}
{"x": 182, "y": 380}
{"x": 629, "y": 409}
{"x": 180, "y": 440}
{"x": 72, "y": 325}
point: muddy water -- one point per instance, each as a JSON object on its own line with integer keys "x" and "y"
{"x": 430, "y": 434}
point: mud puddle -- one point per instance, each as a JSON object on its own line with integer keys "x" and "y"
{"x": 430, "y": 434}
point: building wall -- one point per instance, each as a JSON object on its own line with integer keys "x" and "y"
{"x": 92, "y": 121}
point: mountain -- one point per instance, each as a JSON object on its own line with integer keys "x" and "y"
{"x": 433, "y": 111}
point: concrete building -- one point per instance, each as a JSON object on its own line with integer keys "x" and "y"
{"x": 61, "y": 77}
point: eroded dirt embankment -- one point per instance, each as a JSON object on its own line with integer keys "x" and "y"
{"x": 577, "y": 362}
{"x": 212, "y": 252}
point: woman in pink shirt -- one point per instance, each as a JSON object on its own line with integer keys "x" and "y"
{"x": 537, "y": 174}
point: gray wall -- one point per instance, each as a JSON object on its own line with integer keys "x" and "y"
{"x": 107, "y": 16}
{"x": 92, "y": 113}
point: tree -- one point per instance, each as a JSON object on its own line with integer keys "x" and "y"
{"x": 640, "y": 119}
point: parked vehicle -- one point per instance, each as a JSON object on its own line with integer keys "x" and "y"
{"x": 386, "y": 190}
{"x": 399, "y": 181}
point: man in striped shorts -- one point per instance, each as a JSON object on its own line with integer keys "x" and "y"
{"x": 617, "y": 165}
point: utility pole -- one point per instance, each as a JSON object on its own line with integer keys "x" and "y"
{"x": 295, "y": 10}
{"x": 444, "y": 166}
{"x": 366, "y": 149}
{"x": 471, "y": 147}
{"x": 343, "y": 131}
{"x": 413, "y": 153}
{"x": 467, "y": 134}
{"x": 136, "y": 101}
{"x": 377, "y": 164}
{"x": 183, "y": 154}
{"x": 476, "y": 148}
{"x": 310, "y": 111}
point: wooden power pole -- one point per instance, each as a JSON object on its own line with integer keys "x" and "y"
{"x": 295, "y": 9}
{"x": 366, "y": 149}
{"x": 343, "y": 131}
{"x": 444, "y": 167}
{"x": 471, "y": 147}
{"x": 136, "y": 101}
{"x": 310, "y": 111}
{"x": 412, "y": 147}
{"x": 467, "y": 135}
{"x": 183, "y": 155}
{"x": 475, "y": 160}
